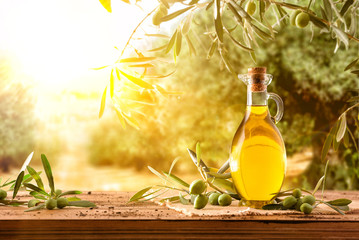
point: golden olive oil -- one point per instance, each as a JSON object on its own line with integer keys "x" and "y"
{"x": 258, "y": 158}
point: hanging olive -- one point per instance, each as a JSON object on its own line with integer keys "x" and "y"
{"x": 302, "y": 20}
{"x": 293, "y": 16}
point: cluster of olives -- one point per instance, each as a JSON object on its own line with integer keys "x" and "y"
{"x": 51, "y": 203}
{"x": 199, "y": 199}
{"x": 299, "y": 203}
{"x": 160, "y": 12}
{"x": 3, "y": 194}
{"x": 299, "y": 19}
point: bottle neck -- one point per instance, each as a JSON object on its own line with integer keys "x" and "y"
{"x": 258, "y": 98}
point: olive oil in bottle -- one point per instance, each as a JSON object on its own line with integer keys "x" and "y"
{"x": 258, "y": 157}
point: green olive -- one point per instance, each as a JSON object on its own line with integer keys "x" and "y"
{"x": 293, "y": 16}
{"x": 197, "y": 187}
{"x": 156, "y": 18}
{"x": 200, "y": 201}
{"x": 302, "y": 20}
{"x": 224, "y": 199}
{"x": 163, "y": 9}
{"x": 289, "y": 202}
{"x": 33, "y": 203}
{"x": 298, "y": 204}
{"x": 213, "y": 198}
{"x": 250, "y": 8}
{"x": 51, "y": 204}
{"x": 309, "y": 199}
{"x": 3, "y": 194}
{"x": 297, "y": 193}
{"x": 62, "y": 202}
{"x": 306, "y": 208}
{"x": 58, "y": 192}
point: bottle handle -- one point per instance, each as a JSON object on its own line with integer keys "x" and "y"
{"x": 280, "y": 106}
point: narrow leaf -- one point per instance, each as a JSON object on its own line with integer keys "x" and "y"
{"x": 71, "y": 199}
{"x": 139, "y": 194}
{"x": 18, "y": 182}
{"x": 38, "y": 207}
{"x": 343, "y": 208}
{"x": 346, "y": 6}
{"x": 319, "y": 183}
{"x": 136, "y": 60}
{"x": 175, "y": 14}
{"x": 70, "y": 193}
{"x": 340, "y": 202}
{"x": 112, "y": 84}
{"x": 176, "y": 179}
{"x": 165, "y": 3}
{"x": 157, "y": 49}
{"x": 194, "y": 159}
{"x": 48, "y": 172}
{"x": 156, "y": 35}
{"x": 137, "y": 81}
{"x": 198, "y": 152}
{"x": 170, "y": 199}
{"x": 36, "y": 189}
{"x": 342, "y": 128}
{"x": 81, "y": 203}
{"x": 334, "y": 208}
{"x": 218, "y": 20}
{"x": 27, "y": 162}
{"x": 103, "y": 103}
{"x": 178, "y": 42}
{"x": 212, "y": 49}
{"x": 220, "y": 175}
{"x": 98, "y": 68}
{"x": 341, "y": 35}
{"x": 273, "y": 207}
{"x": 192, "y": 49}
{"x": 35, "y": 176}
{"x": 171, "y": 42}
{"x": 187, "y": 24}
{"x": 328, "y": 141}
{"x": 352, "y": 64}
{"x": 328, "y": 10}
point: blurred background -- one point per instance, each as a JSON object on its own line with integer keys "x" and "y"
{"x": 50, "y": 98}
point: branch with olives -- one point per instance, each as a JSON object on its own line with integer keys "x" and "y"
{"x": 42, "y": 199}
{"x": 224, "y": 193}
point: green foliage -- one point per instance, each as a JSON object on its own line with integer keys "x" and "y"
{"x": 17, "y": 120}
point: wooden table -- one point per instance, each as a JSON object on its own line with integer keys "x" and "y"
{"x": 114, "y": 219}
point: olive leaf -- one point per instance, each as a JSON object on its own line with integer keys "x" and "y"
{"x": 176, "y": 179}
{"x": 218, "y": 20}
{"x": 81, "y": 203}
{"x": 342, "y": 128}
{"x": 38, "y": 207}
{"x": 187, "y": 24}
{"x": 212, "y": 49}
{"x": 103, "y": 103}
{"x": 220, "y": 175}
{"x": 37, "y": 195}
{"x": 170, "y": 199}
{"x": 71, "y": 199}
{"x": 165, "y": 3}
{"x": 352, "y": 64}
{"x": 18, "y": 182}
{"x": 98, "y": 68}
{"x": 328, "y": 10}
{"x": 239, "y": 44}
{"x": 175, "y": 14}
{"x": 137, "y": 81}
{"x": 112, "y": 84}
{"x": 171, "y": 42}
{"x": 183, "y": 200}
{"x": 328, "y": 141}
{"x": 343, "y": 208}
{"x": 317, "y": 22}
{"x": 340, "y": 202}
{"x": 157, "y": 49}
{"x": 48, "y": 172}
{"x": 136, "y": 60}
{"x": 319, "y": 183}
{"x": 355, "y": 72}
{"x": 223, "y": 184}
{"x": 35, "y": 176}
{"x": 139, "y": 194}
{"x": 325, "y": 177}
{"x": 194, "y": 159}
{"x": 36, "y": 189}
{"x": 178, "y": 42}
{"x": 224, "y": 167}
{"x": 144, "y": 65}
{"x": 273, "y": 207}
{"x": 341, "y": 35}
{"x": 334, "y": 208}
{"x": 70, "y": 193}
{"x": 346, "y": 6}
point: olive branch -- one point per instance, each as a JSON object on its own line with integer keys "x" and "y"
{"x": 252, "y": 20}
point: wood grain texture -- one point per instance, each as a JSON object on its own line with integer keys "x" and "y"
{"x": 114, "y": 219}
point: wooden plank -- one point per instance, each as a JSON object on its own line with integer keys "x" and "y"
{"x": 114, "y": 219}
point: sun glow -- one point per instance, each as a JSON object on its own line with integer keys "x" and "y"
{"x": 58, "y": 42}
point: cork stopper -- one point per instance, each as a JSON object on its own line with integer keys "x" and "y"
{"x": 257, "y": 79}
